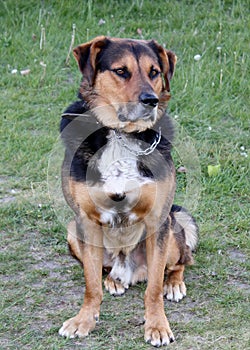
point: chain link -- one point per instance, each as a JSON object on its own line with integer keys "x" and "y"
{"x": 145, "y": 152}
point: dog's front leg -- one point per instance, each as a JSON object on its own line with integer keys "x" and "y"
{"x": 157, "y": 330}
{"x": 92, "y": 259}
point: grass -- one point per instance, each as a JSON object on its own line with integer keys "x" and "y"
{"x": 41, "y": 286}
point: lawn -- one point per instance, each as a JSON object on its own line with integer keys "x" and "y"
{"x": 41, "y": 285}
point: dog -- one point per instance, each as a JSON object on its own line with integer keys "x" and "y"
{"x": 118, "y": 177}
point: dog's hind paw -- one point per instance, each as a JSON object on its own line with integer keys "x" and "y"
{"x": 114, "y": 287}
{"x": 174, "y": 292}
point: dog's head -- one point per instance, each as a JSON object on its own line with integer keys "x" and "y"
{"x": 126, "y": 82}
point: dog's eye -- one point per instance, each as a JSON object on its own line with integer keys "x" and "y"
{"x": 122, "y": 72}
{"x": 153, "y": 73}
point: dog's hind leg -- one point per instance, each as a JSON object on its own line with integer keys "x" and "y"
{"x": 127, "y": 270}
{"x": 120, "y": 276}
{"x": 174, "y": 287}
{"x": 182, "y": 239}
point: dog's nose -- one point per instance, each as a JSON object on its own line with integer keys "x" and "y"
{"x": 148, "y": 99}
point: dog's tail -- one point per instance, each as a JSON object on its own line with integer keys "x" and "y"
{"x": 187, "y": 224}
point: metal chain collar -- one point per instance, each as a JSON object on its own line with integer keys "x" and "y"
{"x": 120, "y": 138}
{"x": 145, "y": 152}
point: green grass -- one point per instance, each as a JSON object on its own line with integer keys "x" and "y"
{"x": 40, "y": 285}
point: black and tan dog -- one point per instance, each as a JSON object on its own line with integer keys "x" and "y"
{"x": 119, "y": 179}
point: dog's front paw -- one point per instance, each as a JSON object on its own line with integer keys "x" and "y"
{"x": 174, "y": 291}
{"x": 80, "y": 325}
{"x": 157, "y": 331}
{"x": 114, "y": 287}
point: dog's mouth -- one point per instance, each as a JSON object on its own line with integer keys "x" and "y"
{"x": 134, "y": 112}
{"x": 128, "y": 117}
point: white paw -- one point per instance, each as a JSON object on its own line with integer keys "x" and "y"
{"x": 80, "y": 325}
{"x": 175, "y": 292}
{"x": 65, "y": 333}
{"x": 158, "y": 332}
{"x": 114, "y": 287}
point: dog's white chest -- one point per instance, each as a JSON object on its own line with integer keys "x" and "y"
{"x": 118, "y": 165}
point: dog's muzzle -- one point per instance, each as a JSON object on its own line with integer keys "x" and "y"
{"x": 144, "y": 109}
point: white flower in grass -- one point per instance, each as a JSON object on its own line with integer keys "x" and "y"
{"x": 197, "y": 57}
{"x": 244, "y": 152}
{"x": 101, "y": 22}
{"x": 25, "y": 71}
{"x": 43, "y": 64}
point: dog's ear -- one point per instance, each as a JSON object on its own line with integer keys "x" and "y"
{"x": 86, "y": 55}
{"x": 167, "y": 61}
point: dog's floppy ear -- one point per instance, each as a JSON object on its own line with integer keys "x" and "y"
{"x": 167, "y": 61}
{"x": 86, "y": 54}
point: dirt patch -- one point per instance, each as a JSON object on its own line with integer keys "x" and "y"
{"x": 7, "y": 199}
{"x": 7, "y": 195}
{"x": 237, "y": 255}
{"x": 244, "y": 287}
